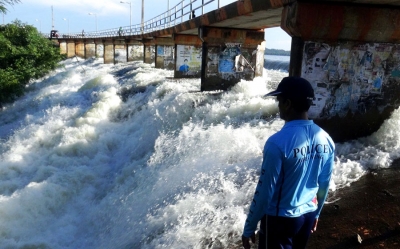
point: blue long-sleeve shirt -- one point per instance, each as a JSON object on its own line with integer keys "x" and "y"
{"x": 297, "y": 167}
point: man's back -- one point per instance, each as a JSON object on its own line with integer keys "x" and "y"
{"x": 306, "y": 156}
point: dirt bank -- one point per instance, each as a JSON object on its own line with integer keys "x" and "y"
{"x": 366, "y": 216}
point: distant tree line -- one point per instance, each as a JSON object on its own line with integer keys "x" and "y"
{"x": 24, "y": 55}
{"x": 271, "y": 51}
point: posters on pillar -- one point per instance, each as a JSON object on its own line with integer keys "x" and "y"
{"x": 167, "y": 52}
{"x": 151, "y": 49}
{"x": 188, "y": 59}
{"x": 149, "y": 54}
{"x": 346, "y": 76}
{"x": 160, "y": 50}
{"x": 230, "y": 62}
{"x": 212, "y": 62}
{"x": 227, "y": 58}
{"x": 231, "y": 59}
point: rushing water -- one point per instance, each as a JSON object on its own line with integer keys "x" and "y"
{"x": 123, "y": 156}
{"x": 277, "y": 62}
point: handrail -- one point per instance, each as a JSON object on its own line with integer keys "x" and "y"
{"x": 183, "y": 11}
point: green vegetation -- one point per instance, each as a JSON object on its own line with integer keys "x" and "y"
{"x": 270, "y": 51}
{"x": 24, "y": 55}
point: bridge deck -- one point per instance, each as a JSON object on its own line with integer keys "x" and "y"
{"x": 242, "y": 14}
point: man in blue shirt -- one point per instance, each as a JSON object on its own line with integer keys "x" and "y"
{"x": 295, "y": 174}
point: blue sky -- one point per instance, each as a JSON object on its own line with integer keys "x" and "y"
{"x": 73, "y": 16}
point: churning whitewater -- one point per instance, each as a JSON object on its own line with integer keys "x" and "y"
{"x": 124, "y": 156}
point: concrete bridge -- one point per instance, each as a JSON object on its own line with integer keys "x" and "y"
{"x": 348, "y": 49}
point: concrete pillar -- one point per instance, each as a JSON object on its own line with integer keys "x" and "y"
{"x": 80, "y": 49}
{"x": 164, "y": 57}
{"x": 135, "y": 50}
{"x": 149, "y": 51}
{"x": 350, "y": 54}
{"x": 188, "y": 53}
{"x": 296, "y": 55}
{"x": 108, "y": 52}
{"x": 70, "y": 49}
{"x": 230, "y": 55}
{"x": 63, "y": 47}
{"x": 90, "y": 49}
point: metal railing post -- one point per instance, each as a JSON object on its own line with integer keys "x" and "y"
{"x": 191, "y": 10}
{"x": 182, "y": 13}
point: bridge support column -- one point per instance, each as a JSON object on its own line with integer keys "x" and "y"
{"x": 188, "y": 52}
{"x": 135, "y": 50}
{"x": 350, "y": 54}
{"x": 149, "y": 51}
{"x": 230, "y": 55}
{"x": 164, "y": 57}
{"x": 80, "y": 49}
{"x": 70, "y": 49}
{"x": 90, "y": 49}
{"x": 108, "y": 52}
{"x": 63, "y": 47}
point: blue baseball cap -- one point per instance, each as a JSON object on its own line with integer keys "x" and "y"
{"x": 294, "y": 88}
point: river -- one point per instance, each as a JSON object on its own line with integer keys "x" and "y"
{"x": 124, "y": 156}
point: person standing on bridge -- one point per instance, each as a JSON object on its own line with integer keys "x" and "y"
{"x": 296, "y": 169}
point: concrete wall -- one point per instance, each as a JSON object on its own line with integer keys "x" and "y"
{"x": 232, "y": 62}
{"x": 149, "y": 54}
{"x": 108, "y": 53}
{"x": 351, "y": 56}
{"x": 90, "y": 49}
{"x": 188, "y": 56}
{"x": 164, "y": 53}
{"x": 165, "y": 57}
{"x": 356, "y": 85}
{"x": 70, "y": 49}
{"x": 80, "y": 49}
{"x": 63, "y": 47}
{"x": 188, "y": 61}
{"x": 230, "y": 55}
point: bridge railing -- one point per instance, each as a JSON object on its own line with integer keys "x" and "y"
{"x": 181, "y": 12}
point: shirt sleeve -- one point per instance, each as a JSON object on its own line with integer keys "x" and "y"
{"x": 323, "y": 183}
{"x": 271, "y": 167}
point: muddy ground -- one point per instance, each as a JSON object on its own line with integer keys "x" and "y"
{"x": 366, "y": 216}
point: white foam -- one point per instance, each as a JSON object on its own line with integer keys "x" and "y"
{"x": 169, "y": 167}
